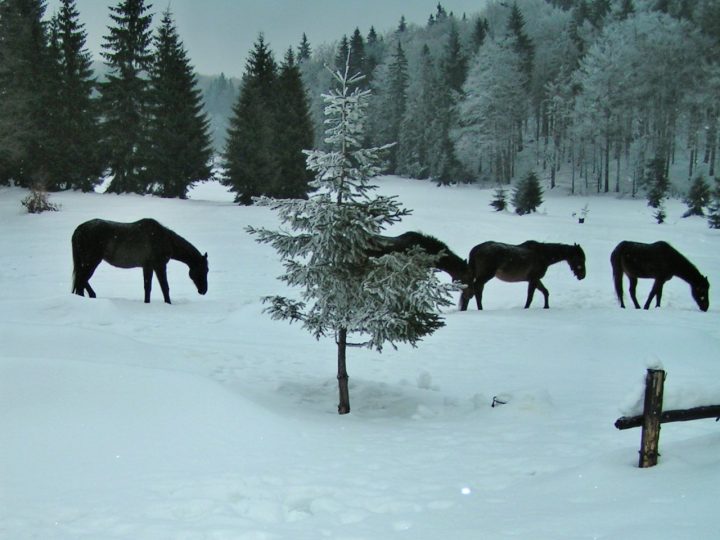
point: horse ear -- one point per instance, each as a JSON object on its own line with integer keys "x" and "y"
{"x": 205, "y": 255}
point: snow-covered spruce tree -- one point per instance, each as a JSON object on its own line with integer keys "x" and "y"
{"x": 392, "y": 298}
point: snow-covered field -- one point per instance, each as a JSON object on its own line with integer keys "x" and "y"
{"x": 207, "y": 420}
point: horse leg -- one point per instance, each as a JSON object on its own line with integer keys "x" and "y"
{"x": 532, "y": 285}
{"x": 479, "y": 286}
{"x": 161, "y": 273}
{"x": 633, "y": 288}
{"x": 147, "y": 282}
{"x": 546, "y": 294}
{"x": 82, "y": 279}
{"x": 465, "y": 296}
{"x": 655, "y": 292}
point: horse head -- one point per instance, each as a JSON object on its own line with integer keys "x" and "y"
{"x": 576, "y": 261}
{"x": 198, "y": 274}
{"x": 701, "y": 293}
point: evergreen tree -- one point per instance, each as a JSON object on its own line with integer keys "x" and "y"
{"x": 714, "y": 208}
{"x": 416, "y": 136}
{"x": 521, "y": 43}
{"x": 402, "y": 25}
{"x": 78, "y": 163}
{"x": 358, "y": 60}
{"x": 125, "y": 94}
{"x": 480, "y": 32}
{"x": 296, "y": 134}
{"x": 627, "y": 9}
{"x": 341, "y": 55}
{"x": 344, "y": 291}
{"x": 304, "y": 51}
{"x": 454, "y": 64}
{"x": 179, "y": 149}
{"x": 656, "y": 182}
{"x": 396, "y": 103}
{"x": 527, "y": 196}
{"x": 26, "y": 86}
{"x": 698, "y": 197}
{"x": 250, "y": 158}
{"x": 499, "y": 202}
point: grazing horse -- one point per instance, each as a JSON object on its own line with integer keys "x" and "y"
{"x": 447, "y": 262}
{"x": 661, "y": 262}
{"x": 525, "y": 262}
{"x": 144, "y": 243}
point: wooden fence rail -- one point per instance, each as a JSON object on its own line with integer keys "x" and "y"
{"x": 653, "y": 416}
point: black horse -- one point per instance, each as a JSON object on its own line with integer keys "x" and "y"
{"x": 524, "y": 262}
{"x": 661, "y": 262}
{"x": 447, "y": 262}
{"x": 144, "y": 243}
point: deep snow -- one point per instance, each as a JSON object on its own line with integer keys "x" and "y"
{"x": 207, "y": 420}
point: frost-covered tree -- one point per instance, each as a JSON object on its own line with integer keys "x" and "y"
{"x": 391, "y": 298}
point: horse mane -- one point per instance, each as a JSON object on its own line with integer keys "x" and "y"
{"x": 684, "y": 269}
{"x": 447, "y": 262}
{"x": 183, "y": 250}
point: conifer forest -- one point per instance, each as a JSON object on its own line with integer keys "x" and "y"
{"x": 594, "y": 96}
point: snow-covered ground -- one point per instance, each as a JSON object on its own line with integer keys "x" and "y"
{"x": 207, "y": 420}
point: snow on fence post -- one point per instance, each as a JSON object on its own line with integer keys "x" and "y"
{"x": 652, "y": 409}
{"x": 653, "y": 416}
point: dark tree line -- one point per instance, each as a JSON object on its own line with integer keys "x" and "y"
{"x": 60, "y": 128}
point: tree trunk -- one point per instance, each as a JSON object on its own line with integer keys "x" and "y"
{"x": 342, "y": 376}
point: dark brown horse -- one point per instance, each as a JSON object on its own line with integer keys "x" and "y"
{"x": 144, "y": 243}
{"x": 661, "y": 262}
{"x": 524, "y": 262}
{"x": 447, "y": 261}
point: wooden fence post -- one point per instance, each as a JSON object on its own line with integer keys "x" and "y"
{"x": 654, "y": 383}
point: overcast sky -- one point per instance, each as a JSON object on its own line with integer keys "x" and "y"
{"x": 219, "y": 33}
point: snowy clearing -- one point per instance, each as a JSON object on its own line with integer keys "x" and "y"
{"x": 206, "y": 420}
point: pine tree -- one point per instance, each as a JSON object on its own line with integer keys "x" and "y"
{"x": 296, "y": 135}
{"x": 341, "y": 55}
{"x": 454, "y": 64}
{"x": 396, "y": 103}
{"x": 358, "y": 59}
{"x": 125, "y": 94}
{"x": 179, "y": 149}
{"x": 78, "y": 164}
{"x": 656, "y": 182}
{"x": 527, "y": 196}
{"x": 26, "y": 99}
{"x": 480, "y": 32}
{"x": 521, "y": 43}
{"x": 698, "y": 197}
{"x": 304, "y": 51}
{"x": 714, "y": 207}
{"x": 250, "y": 157}
{"x": 344, "y": 291}
{"x": 499, "y": 202}
{"x": 416, "y": 135}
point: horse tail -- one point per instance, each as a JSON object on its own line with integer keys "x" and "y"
{"x": 75, "y": 241}
{"x": 616, "y": 261}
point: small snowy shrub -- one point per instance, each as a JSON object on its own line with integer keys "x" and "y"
{"x": 39, "y": 201}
